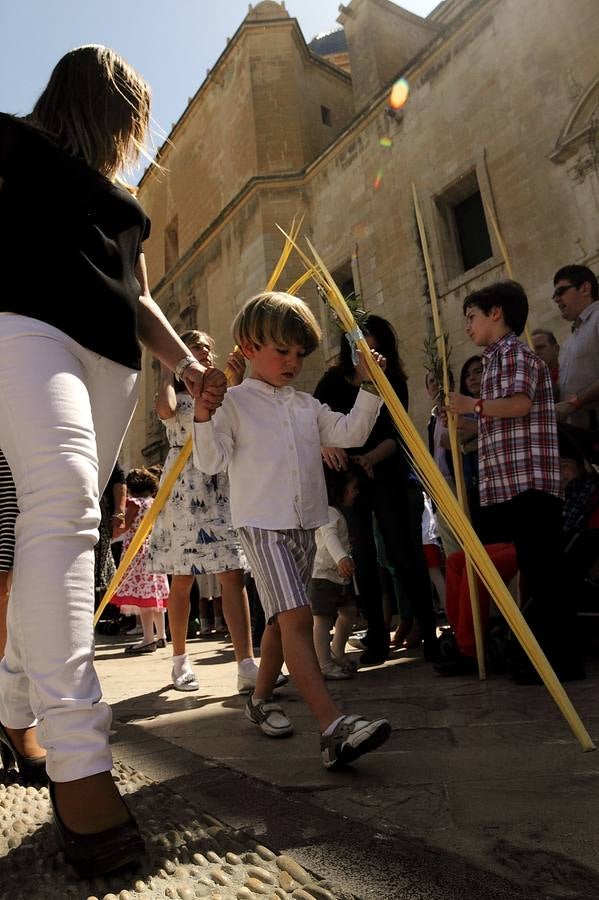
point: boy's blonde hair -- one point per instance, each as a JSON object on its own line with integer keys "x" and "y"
{"x": 277, "y": 318}
{"x": 95, "y": 107}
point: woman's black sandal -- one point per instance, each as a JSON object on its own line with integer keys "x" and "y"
{"x": 31, "y": 768}
{"x": 95, "y": 854}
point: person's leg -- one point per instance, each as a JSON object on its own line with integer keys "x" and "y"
{"x": 296, "y": 628}
{"x": 178, "y": 611}
{"x": 346, "y": 617}
{"x": 236, "y": 609}
{"x": 537, "y": 524}
{"x": 322, "y": 639}
{"x": 5, "y": 580}
{"x": 398, "y": 509}
{"x": 367, "y": 577}
{"x": 52, "y": 405}
{"x": 159, "y": 624}
{"x": 147, "y": 624}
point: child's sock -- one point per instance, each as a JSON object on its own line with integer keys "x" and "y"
{"x": 159, "y": 625}
{"x": 205, "y": 624}
{"x": 247, "y": 666}
{"x": 181, "y": 665}
{"x": 218, "y": 622}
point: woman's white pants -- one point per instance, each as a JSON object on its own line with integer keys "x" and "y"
{"x": 63, "y": 414}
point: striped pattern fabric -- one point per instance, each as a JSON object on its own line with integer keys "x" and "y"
{"x": 281, "y": 563}
{"x": 517, "y": 454}
{"x": 8, "y": 515}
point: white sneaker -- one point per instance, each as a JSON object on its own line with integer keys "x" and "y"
{"x": 352, "y": 737}
{"x": 269, "y": 717}
{"x": 332, "y": 672}
{"x": 246, "y": 682}
{"x": 185, "y": 681}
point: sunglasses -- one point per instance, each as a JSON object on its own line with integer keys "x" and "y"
{"x": 560, "y": 291}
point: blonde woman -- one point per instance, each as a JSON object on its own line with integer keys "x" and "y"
{"x": 74, "y": 300}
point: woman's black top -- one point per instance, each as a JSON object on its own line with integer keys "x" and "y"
{"x": 334, "y": 390}
{"x": 69, "y": 243}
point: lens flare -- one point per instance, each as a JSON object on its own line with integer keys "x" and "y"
{"x": 378, "y": 179}
{"x": 399, "y": 94}
{"x": 386, "y": 142}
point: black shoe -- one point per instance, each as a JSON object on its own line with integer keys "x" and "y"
{"x": 374, "y": 657}
{"x": 92, "y": 855}
{"x": 431, "y": 650}
{"x": 461, "y": 665}
{"x": 136, "y": 649}
{"x": 31, "y": 768}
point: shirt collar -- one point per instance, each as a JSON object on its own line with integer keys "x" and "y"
{"x": 585, "y": 314}
{"x": 499, "y": 343}
{"x": 255, "y": 384}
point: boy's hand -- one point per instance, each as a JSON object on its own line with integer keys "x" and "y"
{"x": 235, "y": 367}
{"x": 334, "y": 457}
{"x": 460, "y": 403}
{"x": 206, "y": 384}
{"x": 345, "y": 567}
{"x": 361, "y": 369}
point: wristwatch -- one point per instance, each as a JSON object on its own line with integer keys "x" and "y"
{"x": 478, "y": 407}
{"x": 183, "y": 364}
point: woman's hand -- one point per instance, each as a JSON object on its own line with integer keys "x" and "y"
{"x": 208, "y": 386}
{"x": 235, "y": 367}
{"x": 362, "y": 371}
{"x": 460, "y": 403}
{"x": 345, "y": 567}
{"x": 366, "y": 463}
{"x": 334, "y": 457}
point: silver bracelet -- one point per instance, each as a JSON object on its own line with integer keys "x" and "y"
{"x": 183, "y": 364}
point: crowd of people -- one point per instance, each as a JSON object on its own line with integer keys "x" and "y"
{"x": 312, "y": 497}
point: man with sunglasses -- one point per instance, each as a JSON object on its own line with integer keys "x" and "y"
{"x": 576, "y": 293}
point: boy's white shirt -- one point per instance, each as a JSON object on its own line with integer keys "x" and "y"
{"x": 269, "y": 439}
{"x": 332, "y": 544}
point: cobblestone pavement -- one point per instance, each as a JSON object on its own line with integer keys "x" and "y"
{"x": 481, "y": 792}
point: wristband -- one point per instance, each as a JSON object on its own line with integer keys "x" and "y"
{"x": 119, "y": 515}
{"x": 575, "y": 401}
{"x": 183, "y": 364}
{"x": 479, "y": 407}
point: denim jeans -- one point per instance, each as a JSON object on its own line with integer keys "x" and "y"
{"x": 63, "y": 413}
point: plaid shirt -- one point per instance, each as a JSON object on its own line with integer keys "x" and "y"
{"x": 517, "y": 454}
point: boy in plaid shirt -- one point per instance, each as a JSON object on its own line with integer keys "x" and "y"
{"x": 519, "y": 467}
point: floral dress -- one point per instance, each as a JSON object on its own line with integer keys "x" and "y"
{"x": 140, "y": 588}
{"x": 193, "y": 534}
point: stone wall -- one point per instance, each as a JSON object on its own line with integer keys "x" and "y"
{"x": 503, "y": 98}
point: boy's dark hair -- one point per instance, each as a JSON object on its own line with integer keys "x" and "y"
{"x": 337, "y": 480}
{"x": 578, "y": 275}
{"x": 140, "y": 481}
{"x": 509, "y": 296}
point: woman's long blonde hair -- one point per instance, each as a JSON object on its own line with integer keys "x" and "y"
{"x": 95, "y": 107}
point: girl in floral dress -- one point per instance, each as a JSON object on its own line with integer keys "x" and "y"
{"x": 193, "y": 534}
{"x": 141, "y": 591}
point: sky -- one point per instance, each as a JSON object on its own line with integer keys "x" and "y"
{"x": 171, "y": 43}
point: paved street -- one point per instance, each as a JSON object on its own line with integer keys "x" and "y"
{"x": 481, "y": 792}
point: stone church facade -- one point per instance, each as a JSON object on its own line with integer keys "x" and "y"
{"x": 502, "y": 122}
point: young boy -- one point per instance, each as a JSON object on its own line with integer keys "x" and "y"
{"x": 519, "y": 467}
{"x": 269, "y": 436}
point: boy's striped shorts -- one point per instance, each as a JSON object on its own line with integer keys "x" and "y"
{"x": 281, "y": 563}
